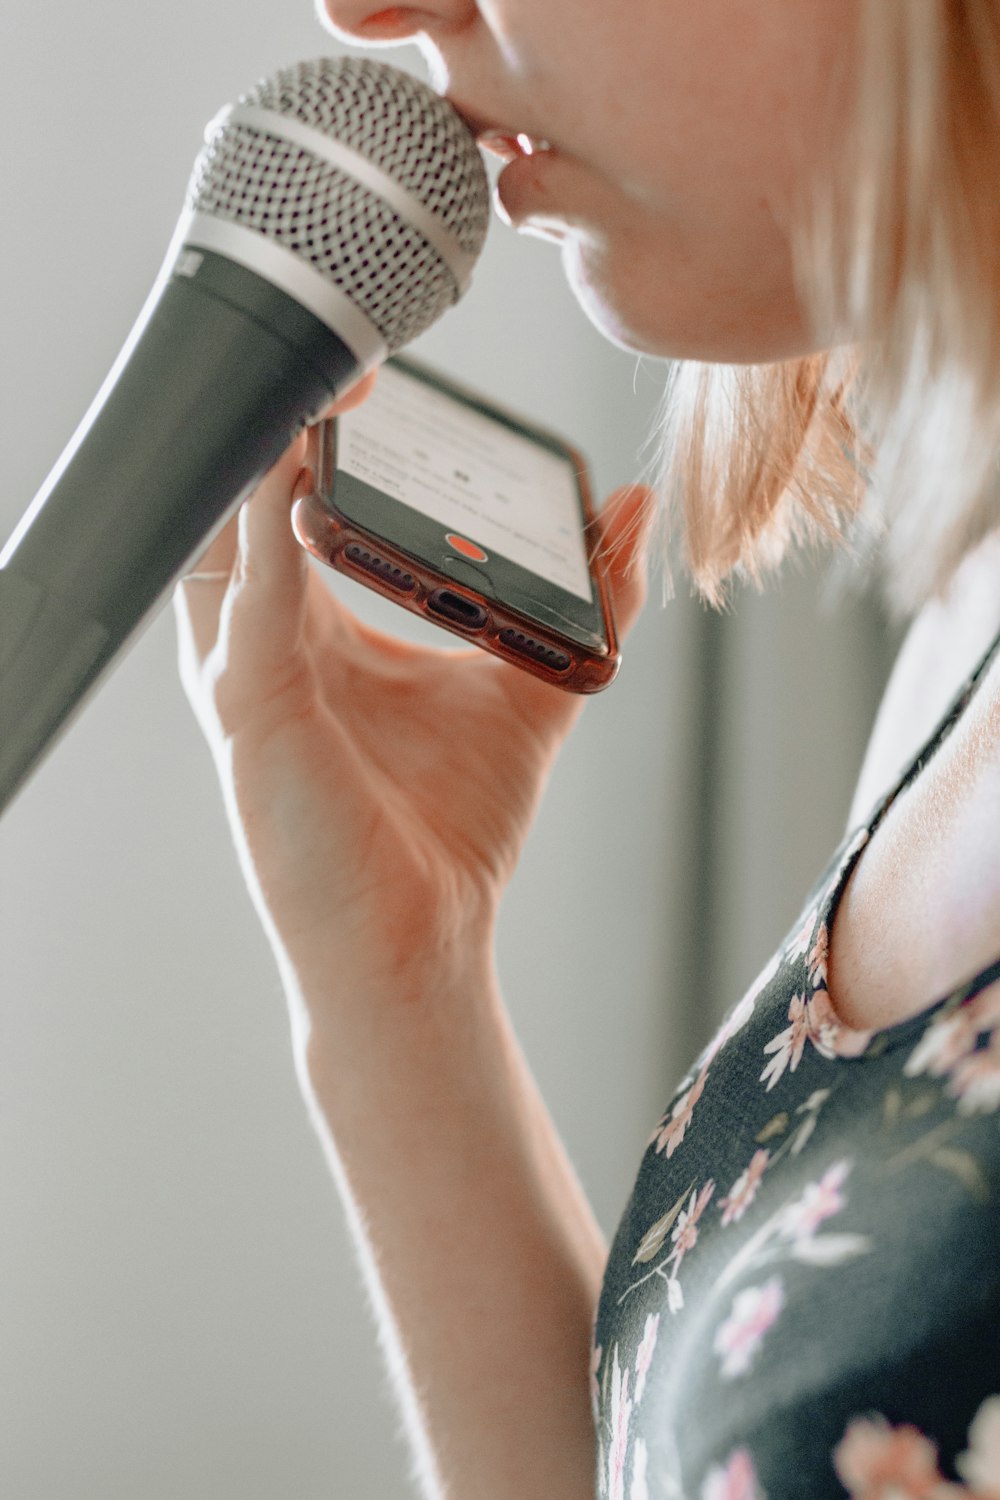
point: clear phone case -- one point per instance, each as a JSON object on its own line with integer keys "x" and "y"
{"x": 415, "y": 584}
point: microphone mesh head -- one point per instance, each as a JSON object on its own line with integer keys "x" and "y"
{"x": 332, "y": 221}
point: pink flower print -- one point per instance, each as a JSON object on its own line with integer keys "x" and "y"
{"x": 744, "y": 1189}
{"x": 738, "y": 1339}
{"x": 818, "y": 957}
{"x": 812, "y": 1020}
{"x": 829, "y": 1036}
{"x": 980, "y": 1466}
{"x": 953, "y": 1034}
{"x": 741, "y": 1013}
{"x": 685, "y": 1232}
{"x": 947, "y": 1039}
{"x": 824, "y": 1027}
{"x": 789, "y": 1044}
{"x": 621, "y": 1412}
{"x": 949, "y": 1045}
{"x": 975, "y": 1081}
{"x": 737, "y": 1481}
{"x": 798, "y": 943}
{"x": 877, "y": 1462}
{"x": 644, "y": 1354}
{"x": 670, "y": 1132}
{"x": 821, "y": 1200}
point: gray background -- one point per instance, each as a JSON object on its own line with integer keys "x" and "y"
{"x": 179, "y": 1308}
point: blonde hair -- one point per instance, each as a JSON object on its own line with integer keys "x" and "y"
{"x": 894, "y": 438}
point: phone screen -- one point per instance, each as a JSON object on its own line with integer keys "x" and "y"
{"x": 470, "y": 516}
{"x": 508, "y": 494}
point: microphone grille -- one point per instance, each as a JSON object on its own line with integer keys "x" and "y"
{"x": 333, "y": 221}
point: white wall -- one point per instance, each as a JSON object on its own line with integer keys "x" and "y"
{"x": 179, "y": 1310}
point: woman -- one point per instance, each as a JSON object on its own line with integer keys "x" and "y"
{"x": 799, "y": 200}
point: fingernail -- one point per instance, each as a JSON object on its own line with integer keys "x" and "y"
{"x": 305, "y": 484}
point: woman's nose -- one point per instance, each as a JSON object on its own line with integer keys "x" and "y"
{"x": 363, "y": 21}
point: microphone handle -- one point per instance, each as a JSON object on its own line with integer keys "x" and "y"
{"x": 219, "y": 375}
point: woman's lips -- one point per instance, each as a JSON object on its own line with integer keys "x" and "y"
{"x": 525, "y": 190}
{"x": 509, "y": 147}
{"x": 528, "y": 161}
{"x": 499, "y": 139}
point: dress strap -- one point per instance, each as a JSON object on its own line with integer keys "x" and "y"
{"x": 981, "y": 981}
{"x": 937, "y": 738}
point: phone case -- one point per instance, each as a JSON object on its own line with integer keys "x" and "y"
{"x": 411, "y": 582}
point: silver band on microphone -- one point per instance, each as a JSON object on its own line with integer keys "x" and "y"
{"x": 408, "y": 207}
{"x": 288, "y": 271}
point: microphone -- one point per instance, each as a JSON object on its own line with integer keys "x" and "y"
{"x": 335, "y": 211}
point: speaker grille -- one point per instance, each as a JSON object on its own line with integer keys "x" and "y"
{"x": 339, "y": 227}
{"x": 399, "y": 123}
{"x": 539, "y": 651}
{"x": 381, "y": 567}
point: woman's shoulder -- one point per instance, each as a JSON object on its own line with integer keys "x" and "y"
{"x": 942, "y": 648}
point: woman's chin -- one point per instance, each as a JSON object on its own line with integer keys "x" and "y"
{"x": 596, "y": 294}
{"x": 637, "y": 303}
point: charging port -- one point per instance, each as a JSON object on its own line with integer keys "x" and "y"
{"x": 456, "y": 608}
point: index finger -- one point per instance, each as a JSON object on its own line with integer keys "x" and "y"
{"x": 352, "y": 397}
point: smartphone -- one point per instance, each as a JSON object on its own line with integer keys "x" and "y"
{"x": 469, "y": 516}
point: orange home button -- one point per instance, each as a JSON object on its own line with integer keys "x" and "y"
{"x": 467, "y": 548}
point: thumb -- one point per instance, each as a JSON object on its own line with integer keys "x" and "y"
{"x": 624, "y": 529}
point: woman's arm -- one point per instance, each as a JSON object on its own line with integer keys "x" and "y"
{"x": 376, "y": 842}
{"x": 481, "y": 1254}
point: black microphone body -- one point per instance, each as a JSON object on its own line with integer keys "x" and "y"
{"x": 334, "y": 213}
{"x": 249, "y": 367}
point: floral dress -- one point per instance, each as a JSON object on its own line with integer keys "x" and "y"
{"x": 803, "y": 1297}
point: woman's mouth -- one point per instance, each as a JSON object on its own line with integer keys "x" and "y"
{"x": 499, "y": 139}
{"x": 510, "y": 147}
{"x": 524, "y": 197}
{"x": 528, "y": 159}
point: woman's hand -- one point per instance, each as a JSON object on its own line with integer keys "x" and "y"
{"x": 379, "y": 791}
